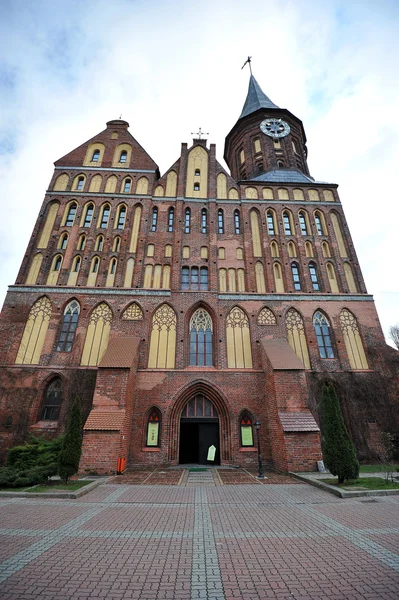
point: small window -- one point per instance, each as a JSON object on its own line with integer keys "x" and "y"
{"x": 153, "y": 427}
{"x": 319, "y": 224}
{"x": 112, "y": 268}
{"x": 242, "y": 156}
{"x": 303, "y": 224}
{"x": 187, "y": 220}
{"x": 220, "y": 221}
{"x": 123, "y": 156}
{"x": 82, "y": 242}
{"x": 105, "y": 217}
{"x": 246, "y": 432}
{"x": 204, "y": 220}
{"x": 52, "y": 401}
{"x": 280, "y": 164}
{"x": 117, "y": 244}
{"x": 313, "y": 276}
{"x": 127, "y": 186}
{"x": 71, "y": 214}
{"x": 237, "y": 226}
{"x": 171, "y": 219}
{"x": 196, "y": 187}
{"x": 64, "y": 241}
{"x": 154, "y": 219}
{"x": 76, "y": 265}
{"x": 69, "y": 324}
{"x": 197, "y": 172}
{"x": 88, "y": 215}
{"x": 270, "y": 223}
{"x": 287, "y": 224}
{"x": 322, "y": 330}
{"x": 295, "y": 276}
{"x": 95, "y": 265}
{"x": 58, "y": 263}
{"x": 80, "y": 183}
{"x": 121, "y": 217}
{"x": 99, "y": 243}
{"x": 96, "y": 156}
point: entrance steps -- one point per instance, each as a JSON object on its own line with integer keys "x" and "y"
{"x": 194, "y": 477}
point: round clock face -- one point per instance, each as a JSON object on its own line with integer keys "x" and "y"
{"x": 275, "y": 128}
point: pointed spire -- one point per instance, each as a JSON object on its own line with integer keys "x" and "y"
{"x": 256, "y": 99}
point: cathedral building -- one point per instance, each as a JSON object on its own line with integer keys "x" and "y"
{"x": 182, "y": 309}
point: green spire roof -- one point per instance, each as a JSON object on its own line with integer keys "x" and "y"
{"x": 256, "y": 99}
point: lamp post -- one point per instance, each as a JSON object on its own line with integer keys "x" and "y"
{"x": 260, "y": 474}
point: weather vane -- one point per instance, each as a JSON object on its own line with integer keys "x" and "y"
{"x": 249, "y": 62}
{"x": 199, "y": 133}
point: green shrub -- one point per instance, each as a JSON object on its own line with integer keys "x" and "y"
{"x": 72, "y": 443}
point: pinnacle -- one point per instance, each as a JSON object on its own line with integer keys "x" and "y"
{"x": 256, "y": 99}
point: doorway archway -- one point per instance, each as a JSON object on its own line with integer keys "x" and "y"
{"x": 199, "y": 431}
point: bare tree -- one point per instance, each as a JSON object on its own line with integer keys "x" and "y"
{"x": 394, "y": 334}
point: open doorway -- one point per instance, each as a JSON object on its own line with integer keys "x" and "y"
{"x": 199, "y": 429}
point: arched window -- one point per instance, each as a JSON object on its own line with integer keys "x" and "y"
{"x": 204, "y": 220}
{"x": 220, "y": 221}
{"x": 76, "y": 264}
{"x": 74, "y": 272}
{"x": 153, "y": 428}
{"x": 271, "y": 223}
{"x": 302, "y": 223}
{"x": 52, "y": 401}
{"x": 97, "y": 335}
{"x": 280, "y": 164}
{"x": 221, "y": 253}
{"x": 326, "y": 249}
{"x": 197, "y": 172}
{"x": 34, "y": 269}
{"x": 34, "y": 334}
{"x": 278, "y": 278}
{"x": 296, "y": 336}
{"x": 287, "y": 223}
{"x": 239, "y": 254}
{"x": 70, "y": 218}
{"x": 99, "y": 243}
{"x": 80, "y": 183}
{"x": 187, "y": 220}
{"x": 106, "y": 211}
{"x": 313, "y": 276}
{"x": 171, "y": 219}
{"x": 62, "y": 244}
{"x": 232, "y": 280}
{"x": 201, "y": 333}
{"x": 196, "y": 186}
{"x": 123, "y": 156}
{"x": 238, "y": 339}
{"x": 295, "y": 276}
{"x": 322, "y": 330}
{"x": 127, "y": 283}
{"x": 255, "y": 230}
{"x": 274, "y": 249}
{"x": 168, "y": 250}
{"x": 291, "y": 250}
{"x": 154, "y": 219}
{"x": 332, "y": 278}
{"x": 88, "y": 215}
{"x": 117, "y": 244}
{"x": 111, "y": 273}
{"x": 353, "y": 341}
{"x": 81, "y": 242}
{"x": 133, "y": 313}
{"x": 96, "y": 156}
{"x": 121, "y": 217}
{"x": 163, "y": 339}
{"x": 166, "y": 277}
{"x": 319, "y": 223}
{"x": 237, "y": 225}
{"x": 150, "y": 250}
{"x": 127, "y": 185}
{"x": 266, "y": 317}
{"x": 309, "y": 250}
{"x": 92, "y": 278}
{"x": 69, "y": 324}
{"x": 55, "y": 270}
{"x": 246, "y": 432}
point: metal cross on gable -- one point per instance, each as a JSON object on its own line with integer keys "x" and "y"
{"x": 199, "y": 133}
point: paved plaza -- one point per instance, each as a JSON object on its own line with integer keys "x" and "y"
{"x": 206, "y": 541}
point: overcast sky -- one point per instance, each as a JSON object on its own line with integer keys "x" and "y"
{"x": 170, "y": 67}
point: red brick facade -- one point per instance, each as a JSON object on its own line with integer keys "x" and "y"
{"x": 123, "y": 387}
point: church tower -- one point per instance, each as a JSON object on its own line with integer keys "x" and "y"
{"x": 183, "y": 308}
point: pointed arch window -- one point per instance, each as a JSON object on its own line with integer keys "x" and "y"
{"x": 296, "y": 336}
{"x": 32, "y": 341}
{"x": 63, "y": 241}
{"x": 117, "y": 244}
{"x": 238, "y": 339}
{"x": 154, "y": 220}
{"x": 270, "y": 223}
{"x": 97, "y": 335}
{"x": 100, "y": 243}
{"x": 197, "y": 172}
{"x": 296, "y": 277}
{"x": 163, "y": 339}
{"x": 69, "y": 325}
{"x": 246, "y": 431}
{"x": 76, "y": 264}
{"x": 88, "y": 215}
{"x": 70, "y": 218}
{"x": 82, "y": 242}
{"x": 105, "y": 216}
{"x": 322, "y": 330}
{"x": 353, "y": 341}
{"x": 319, "y": 224}
{"x": 153, "y": 429}
{"x": 237, "y": 224}
{"x": 80, "y": 183}
{"x": 201, "y": 339}
{"x": 204, "y": 220}
{"x": 287, "y": 223}
{"x": 313, "y": 276}
{"x": 123, "y": 156}
{"x": 302, "y": 223}
{"x": 187, "y": 220}
{"x": 57, "y": 263}
{"x": 171, "y": 219}
{"x": 121, "y": 217}
{"x": 52, "y": 401}
{"x": 220, "y": 221}
{"x": 95, "y": 264}
{"x": 96, "y": 156}
{"x": 127, "y": 186}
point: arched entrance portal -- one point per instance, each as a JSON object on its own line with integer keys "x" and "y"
{"x": 199, "y": 429}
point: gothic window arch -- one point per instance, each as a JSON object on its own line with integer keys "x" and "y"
{"x": 116, "y": 246}
{"x": 163, "y": 338}
{"x": 222, "y": 280}
{"x": 332, "y": 278}
{"x": 154, "y": 219}
{"x": 52, "y": 400}
{"x": 126, "y": 185}
{"x": 171, "y": 219}
{"x": 237, "y": 224}
{"x": 288, "y": 223}
{"x": 54, "y": 270}
{"x": 63, "y": 242}
{"x": 94, "y": 266}
{"x": 34, "y": 269}
{"x": 121, "y": 217}
{"x": 266, "y": 317}
{"x": 255, "y": 230}
{"x": 111, "y": 273}
{"x": 34, "y": 334}
{"x": 74, "y": 272}
{"x": 314, "y": 277}
{"x": 296, "y": 336}
{"x": 132, "y": 313}
{"x": 99, "y": 243}
{"x": 123, "y": 156}
{"x": 97, "y": 335}
{"x": 353, "y": 341}
{"x": 323, "y": 336}
{"x": 326, "y": 249}
{"x": 274, "y": 249}
{"x": 201, "y": 339}
{"x": 271, "y": 222}
{"x": 303, "y": 224}
{"x": 70, "y": 214}
{"x": 319, "y": 222}
{"x": 87, "y": 215}
{"x": 278, "y": 278}
{"x": 153, "y": 428}
{"x": 204, "y": 220}
{"x": 81, "y": 242}
{"x": 220, "y": 221}
{"x": 238, "y": 338}
{"x": 292, "y": 252}
{"x": 68, "y": 328}
{"x": 260, "y": 278}
{"x": 104, "y": 215}
{"x": 127, "y": 283}
{"x": 296, "y": 278}
{"x": 96, "y": 156}
{"x": 95, "y": 183}
{"x": 309, "y": 249}
{"x": 246, "y": 430}
{"x": 142, "y": 186}
{"x": 187, "y": 220}
{"x": 79, "y": 183}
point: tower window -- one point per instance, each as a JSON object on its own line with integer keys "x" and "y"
{"x": 242, "y": 157}
{"x": 194, "y": 278}
{"x": 295, "y": 276}
{"x": 88, "y": 215}
{"x": 187, "y": 220}
{"x": 96, "y": 156}
{"x": 64, "y": 241}
{"x": 196, "y": 187}
{"x": 154, "y": 220}
{"x": 52, "y": 401}
{"x": 79, "y": 185}
{"x": 322, "y": 330}
{"x": 71, "y": 214}
{"x": 128, "y": 185}
{"x": 123, "y": 156}
{"x": 287, "y": 224}
{"x": 280, "y": 164}
{"x": 57, "y": 264}
{"x": 201, "y": 332}
{"x": 171, "y": 219}
{"x": 302, "y": 223}
{"x": 237, "y": 227}
{"x": 197, "y": 172}
{"x": 204, "y": 220}
{"x": 76, "y": 266}
{"x": 105, "y": 217}
{"x": 319, "y": 224}
{"x": 121, "y": 217}
{"x": 153, "y": 426}
{"x": 313, "y": 276}
{"x": 100, "y": 243}
{"x": 220, "y": 221}
{"x": 82, "y": 242}
{"x": 270, "y": 223}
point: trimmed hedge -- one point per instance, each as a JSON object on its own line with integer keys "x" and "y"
{"x": 32, "y": 463}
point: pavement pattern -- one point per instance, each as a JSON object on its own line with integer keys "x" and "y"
{"x": 203, "y": 541}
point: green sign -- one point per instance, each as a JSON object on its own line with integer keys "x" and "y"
{"x": 152, "y": 435}
{"x": 246, "y": 435}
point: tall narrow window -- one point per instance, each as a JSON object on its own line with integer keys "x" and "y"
{"x": 322, "y": 330}
{"x": 313, "y": 276}
{"x": 237, "y": 226}
{"x": 88, "y": 215}
{"x": 105, "y": 216}
{"x": 63, "y": 241}
{"x": 92, "y": 278}
{"x": 127, "y": 185}
{"x": 97, "y": 335}
{"x": 220, "y": 221}
{"x": 270, "y": 223}
{"x": 96, "y": 156}
{"x": 123, "y": 156}
{"x": 295, "y": 276}
{"x": 204, "y": 278}
{"x": 319, "y": 224}
{"x": 353, "y": 341}
{"x": 154, "y": 219}
{"x": 99, "y": 243}
{"x": 52, "y": 401}
{"x": 82, "y": 242}
{"x": 246, "y": 432}
{"x": 70, "y": 218}
{"x": 196, "y": 186}
{"x": 302, "y": 223}
{"x": 201, "y": 332}
{"x": 153, "y": 427}
{"x": 76, "y": 265}
{"x": 80, "y": 183}
{"x": 69, "y": 324}
{"x": 121, "y": 217}
{"x": 187, "y": 220}
{"x": 296, "y": 336}
{"x": 171, "y": 219}
{"x": 163, "y": 339}
{"x": 204, "y": 220}
{"x": 287, "y": 223}
{"x": 34, "y": 334}
{"x": 117, "y": 244}
{"x": 238, "y": 340}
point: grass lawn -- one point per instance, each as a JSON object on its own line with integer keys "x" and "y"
{"x": 71, "y": 486}
{"x": 365, "y": 483}
{"x": 375, "y": 468}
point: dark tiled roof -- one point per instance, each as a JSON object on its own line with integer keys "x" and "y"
{"x": 256, "y": 99}
{"x": 281, "y": 355}
{"x": 105, "y": 421}
{"x": 284, "y": 176}
{"x": 120, "y": 353}
{"x": 298, "y": 421}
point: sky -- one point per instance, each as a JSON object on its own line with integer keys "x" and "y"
{"x": 170, "y": 67}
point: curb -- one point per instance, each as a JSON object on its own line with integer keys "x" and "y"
{"x": 69, "y": 495}
{"x": 343, "y": 493}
